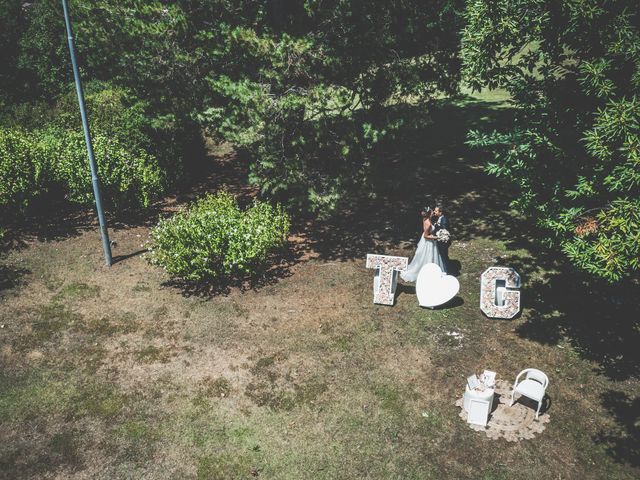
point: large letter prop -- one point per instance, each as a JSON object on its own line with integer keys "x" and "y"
{"x": 386, "y": 279}
{"x": 499, "y": 297}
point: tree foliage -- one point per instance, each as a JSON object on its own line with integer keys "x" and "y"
{"x": 306, "y": 89}
{"x": 136, "y": 44}
{"x": 12, "y": 26}
{"x": 128, "y": 178}
{"x": 142, "y": 48}
{"x": 572, "y": 68}
{"x": 304, "y": 85}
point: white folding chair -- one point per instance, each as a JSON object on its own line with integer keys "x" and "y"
{"x": 533, "y": 386}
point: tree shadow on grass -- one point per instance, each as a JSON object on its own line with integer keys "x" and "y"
{"x": 600, "y": 322}
{"x": 428, "y": 163}
{"x": 433, "y": 164}
{"x": 278, "y": 268}
{"x": 11, "y": 277}
{"x": 48, "y": 218}
{"x": 623, "y": 444}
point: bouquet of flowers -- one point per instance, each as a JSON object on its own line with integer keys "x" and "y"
{"x": 443, "y": 235}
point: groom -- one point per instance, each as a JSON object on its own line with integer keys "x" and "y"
{"x": 442, "y": 223}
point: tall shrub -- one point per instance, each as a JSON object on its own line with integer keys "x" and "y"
{"x": 53, "y": 150}
{"x": 145, "y": 50}
{"x": 118, "y": 113}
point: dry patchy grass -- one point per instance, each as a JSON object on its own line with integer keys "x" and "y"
{"x": 113, "y": 373}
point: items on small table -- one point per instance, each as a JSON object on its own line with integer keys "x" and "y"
{"x": 488, "y": 378}
{"x": 478, "y": 397}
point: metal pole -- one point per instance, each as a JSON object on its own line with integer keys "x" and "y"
{"x": 87, "y": 137}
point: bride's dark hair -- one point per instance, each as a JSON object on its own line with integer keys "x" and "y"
{"x": 426, "y": 211}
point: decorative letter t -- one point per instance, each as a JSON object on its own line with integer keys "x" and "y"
{"x": 386, "y": 279}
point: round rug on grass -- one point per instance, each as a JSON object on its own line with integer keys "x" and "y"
{"x": 511, "y": 423}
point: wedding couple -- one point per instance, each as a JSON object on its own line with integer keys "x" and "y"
{"x": 432, "y": 248}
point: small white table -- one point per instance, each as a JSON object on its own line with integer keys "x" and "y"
{"x": 478, "y": 405}
{"x": 486, "y": 395}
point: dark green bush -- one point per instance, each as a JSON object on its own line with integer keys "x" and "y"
{"x": 12, "y": 27}
{"x": 306, "y": 89}
{"x": 111, "y": 111}
{"x": 214, "y": 238}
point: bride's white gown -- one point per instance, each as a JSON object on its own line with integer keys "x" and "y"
{"x": 427, "y": 252}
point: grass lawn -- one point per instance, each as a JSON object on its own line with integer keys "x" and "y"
{"x": 120, "y": 373}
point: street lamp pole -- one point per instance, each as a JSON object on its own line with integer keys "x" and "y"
{"x": 87, "y": 137}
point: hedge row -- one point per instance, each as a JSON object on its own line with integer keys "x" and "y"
{"x": 52, "y": 150}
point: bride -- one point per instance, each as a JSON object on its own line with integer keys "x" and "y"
{"x": 427, "y": 251}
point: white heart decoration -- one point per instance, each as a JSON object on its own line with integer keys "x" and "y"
{"x": 434, "y": 287}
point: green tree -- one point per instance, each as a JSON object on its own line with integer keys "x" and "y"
{"x": 12, "y": 25}
{"x": 141, "y": 48}
{"x": 572, "y": 68}
{"x": 132, "y": 43}
{"x": 42, "y": 145}
{"x": 306, "y": 86}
